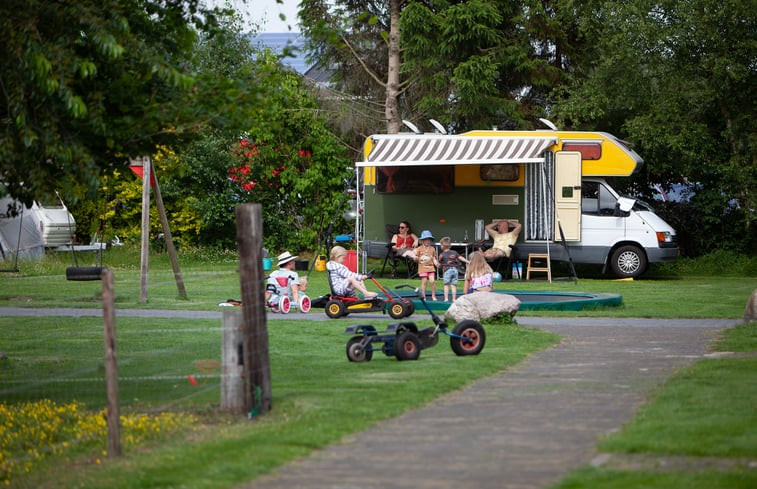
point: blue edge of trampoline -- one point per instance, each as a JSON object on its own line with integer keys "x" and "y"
{"x": 536, "y": 300}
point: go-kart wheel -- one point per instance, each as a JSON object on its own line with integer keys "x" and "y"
{"x": 355, "y": 351}
{"x": 473, "y": 338}
{"x": 304, "y": 303}
{"x": 335, "y": 309}
{"x": 285, "y": 305}
{"x": 397, "y": 310}
{"x": 409, "y": 309}
{"x": 407, "y": 346}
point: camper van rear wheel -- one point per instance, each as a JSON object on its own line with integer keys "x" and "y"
{"x": 628, "y": 261}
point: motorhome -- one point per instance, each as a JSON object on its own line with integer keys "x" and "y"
{"x": 551, "y": 181}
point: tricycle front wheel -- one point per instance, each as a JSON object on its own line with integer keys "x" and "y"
{"x": 472, "y": 338}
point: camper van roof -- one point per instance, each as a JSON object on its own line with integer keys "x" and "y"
{"x": 430, "y": 149}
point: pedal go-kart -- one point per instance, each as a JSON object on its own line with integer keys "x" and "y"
{"x": 279, "y": 300}
{"x": 337, "y": 306}
{"x": 405, "y": 340}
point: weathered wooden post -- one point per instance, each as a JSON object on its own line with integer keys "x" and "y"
{"x": 257, "y": 368}
{"x": 111, "y": 366}
{"x": 147, "y": 169}
{"x": 232, "y": 364}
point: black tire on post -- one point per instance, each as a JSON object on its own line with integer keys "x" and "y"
{"x": 335, "y": 309}
{"x": 356, "y": 353}
{"x": 628, "y": 261}
{"x": 397, "y": 310}
{"x": 474, "y": 338}
{"x": 407, "y": 346}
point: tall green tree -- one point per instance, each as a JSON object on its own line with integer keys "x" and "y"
{"x": 361, "y": 40}
{"x": 484, "y": 63}
{"x": 281, "y": 155}
{"x": 678, "y": 78}
{"x": 86, "y": 84}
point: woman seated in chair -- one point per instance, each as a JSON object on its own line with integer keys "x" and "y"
{"x": 343, "y": 281}
{"x": 405, "y": 241}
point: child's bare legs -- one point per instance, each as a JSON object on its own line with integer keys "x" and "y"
{"x": 433, "y": 287}
{"x": 360, "y": 287}
{"x": 424, "y": 279}
{"x": 446, "y": 293}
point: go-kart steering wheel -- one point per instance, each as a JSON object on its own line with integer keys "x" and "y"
{"x": 370, "y": 273}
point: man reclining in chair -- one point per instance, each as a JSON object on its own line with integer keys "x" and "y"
{"x": 503, "y": 238}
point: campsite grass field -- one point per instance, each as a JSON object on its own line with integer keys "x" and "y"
{"x": 317, "y": 400}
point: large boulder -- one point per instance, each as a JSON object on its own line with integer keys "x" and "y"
{"x": 482, "y": 305}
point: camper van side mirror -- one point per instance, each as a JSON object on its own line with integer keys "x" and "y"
{"x": 623, "y": 206}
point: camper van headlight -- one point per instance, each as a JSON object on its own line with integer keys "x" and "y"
{"x": 664, "y": 237}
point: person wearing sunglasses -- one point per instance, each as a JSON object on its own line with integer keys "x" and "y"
{"x": 405, "y": 241}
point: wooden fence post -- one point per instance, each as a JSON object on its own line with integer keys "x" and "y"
{"x": 232, "y": 366}
{"x": 145, "y": 252}
{"x": 257, "y": 368}
{"x": 111, "y": 365}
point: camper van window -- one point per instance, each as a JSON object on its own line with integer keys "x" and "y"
{"x": 596, "y": 199}
{"x": 499, "y": 173}
{"x": 589, "y": 151}
{"x": 415, "y": 179}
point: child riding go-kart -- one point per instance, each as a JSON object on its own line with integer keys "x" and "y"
{"x": 405, "y": 340}
{"x": 337, "y": 305}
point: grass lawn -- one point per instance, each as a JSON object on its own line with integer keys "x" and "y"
{"x": 319, "y": 396}
{"x": 214, "y": 278}
{"x": 698, "y": 430}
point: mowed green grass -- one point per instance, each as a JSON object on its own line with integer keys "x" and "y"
{"x": 318, "y": 395}
{"x": 214, "y": 278}
{"x": 698, "y": 430}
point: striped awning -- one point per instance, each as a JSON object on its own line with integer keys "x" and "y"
{"x": 429, "y": 149}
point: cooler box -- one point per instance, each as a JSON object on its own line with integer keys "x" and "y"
{"x": 351, "y": 260}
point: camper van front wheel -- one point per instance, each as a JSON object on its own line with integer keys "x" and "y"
{"x": 628, "y": 261}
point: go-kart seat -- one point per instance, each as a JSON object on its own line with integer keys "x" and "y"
{"x": 331, "y": 287}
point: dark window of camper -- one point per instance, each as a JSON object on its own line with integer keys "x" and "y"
{"x": 597, "y": 200}
{"x": 436, "y": 179}
{"x": 589, "y": 151}
{"x": 499, "y": 173}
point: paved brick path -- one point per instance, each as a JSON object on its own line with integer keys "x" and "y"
{"x": 523, "y": 428}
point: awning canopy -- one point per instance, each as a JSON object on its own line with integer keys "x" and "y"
{"x": 432, "y": 149}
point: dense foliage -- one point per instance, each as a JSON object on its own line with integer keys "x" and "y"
{"x": 87, "y": 84}
{"x": 282, "y": 156}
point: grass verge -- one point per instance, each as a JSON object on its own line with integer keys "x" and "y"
{"x": 318, "y": 396}
{"x": 699, "y": 430}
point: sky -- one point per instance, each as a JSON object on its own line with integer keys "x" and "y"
{"x": 266, "y": 13}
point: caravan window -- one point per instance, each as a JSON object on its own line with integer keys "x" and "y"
{"x": 596, "y": 199}
{"x": 435, "y": 179}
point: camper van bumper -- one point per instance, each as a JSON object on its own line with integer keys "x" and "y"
{"x": 662, "y": 255}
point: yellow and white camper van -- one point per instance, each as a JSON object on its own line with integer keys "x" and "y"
{"x": 548, "y": 180}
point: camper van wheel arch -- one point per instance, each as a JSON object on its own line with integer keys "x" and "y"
{"x": 628, "y": 261}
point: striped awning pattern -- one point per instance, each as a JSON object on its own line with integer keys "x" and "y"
{"x": 428, "y": 149}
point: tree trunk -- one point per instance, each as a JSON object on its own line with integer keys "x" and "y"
{"x": 393, "y": 120}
